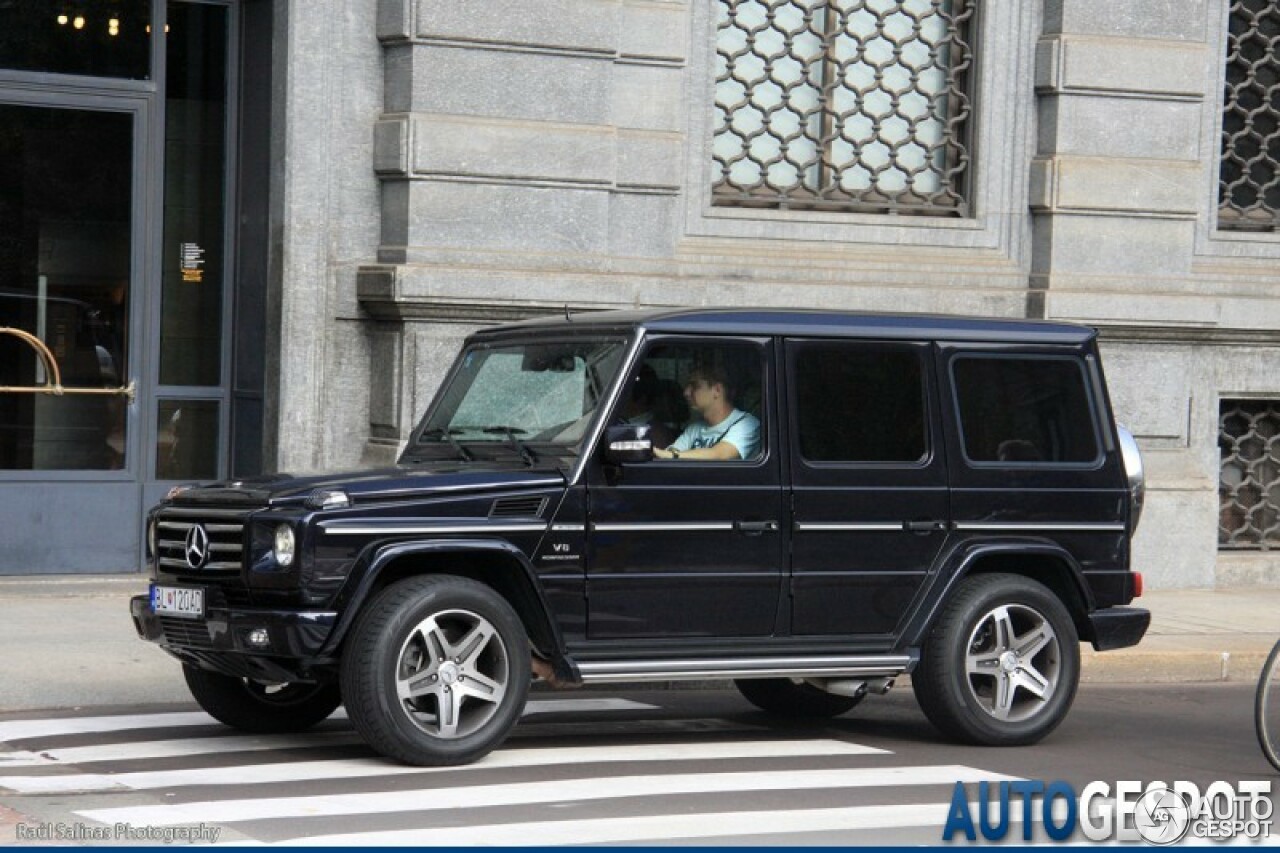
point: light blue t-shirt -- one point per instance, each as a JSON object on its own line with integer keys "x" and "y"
{"x": 740, "y": 429}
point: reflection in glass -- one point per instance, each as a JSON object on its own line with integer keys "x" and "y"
{"x": 65, "y": 204}
{"x": 195, "y": 148}
{"x": 100, "y": 38}
{"x": 187, "y": 440}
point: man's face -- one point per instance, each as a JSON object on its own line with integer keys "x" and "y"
{"x": 700, "y": 394}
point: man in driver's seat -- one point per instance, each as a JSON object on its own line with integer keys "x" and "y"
{"x": 719, "y": 430}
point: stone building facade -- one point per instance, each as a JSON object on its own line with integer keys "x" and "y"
{"x": 451, "y": 164}
{"x": 433, "y": 166}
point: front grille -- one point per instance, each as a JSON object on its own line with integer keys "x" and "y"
{"x": 225, "y": 534}
{"x": 186, "y": 633}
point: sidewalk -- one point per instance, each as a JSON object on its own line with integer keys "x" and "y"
{"x": 67, "y": 641}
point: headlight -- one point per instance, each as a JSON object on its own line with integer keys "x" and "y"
{"x": 151, "y": 538}
{"x": 283, "y": 552}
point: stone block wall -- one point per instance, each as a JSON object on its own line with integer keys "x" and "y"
{"x": 488, "y": 160}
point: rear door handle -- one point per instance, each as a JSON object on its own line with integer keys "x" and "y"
{"x": 923, "y": 527}
{"x": 754, "y": 528}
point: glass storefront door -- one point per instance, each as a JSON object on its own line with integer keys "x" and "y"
{"x": 114, "y": 255}
{"x": 66, "y": 204}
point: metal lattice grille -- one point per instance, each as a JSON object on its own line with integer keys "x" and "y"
{"x": 844, "y": 104}
{"x": 1249, "y": 481}
{"x": 1249, "y": 195}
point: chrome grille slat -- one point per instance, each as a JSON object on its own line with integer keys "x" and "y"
{"x": 226, "y": 533}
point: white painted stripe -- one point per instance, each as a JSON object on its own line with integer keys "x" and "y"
{"x": 648, "y": 828}
{"x": 24, "y": 729}
{"x": 27, "y": 729}
{"x": 178, "y": 748}
{"x": 679, "y": 827}
{"x": 356, "y": 768}
{"x": 526, "y": 793}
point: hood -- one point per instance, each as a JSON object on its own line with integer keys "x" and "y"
{"x": 399, "y": 482}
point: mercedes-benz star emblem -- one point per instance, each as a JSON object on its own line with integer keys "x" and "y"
{"x": 197, "y": 546}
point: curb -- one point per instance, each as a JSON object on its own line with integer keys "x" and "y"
{"x": 1190, "y": 667}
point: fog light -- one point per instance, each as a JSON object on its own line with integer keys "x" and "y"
{"x": 259, "y": 637}
{"x": 283, "y": 551}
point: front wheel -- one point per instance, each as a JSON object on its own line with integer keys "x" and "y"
{"x": 786, "y": 698}
{"x": 260, "y": 708}
{"x": 1001, "y": 665}
{"x": 436, "y": 671}
{"x": 1266, "y": 709}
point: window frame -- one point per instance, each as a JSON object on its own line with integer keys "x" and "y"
{"x": 955, "y": 148}
{"x": 997, "y": 233}
{"x": 923, "y": 352}
{"x": 1100, "y": 450}
{"x": 1228, "y": 217}
{"x": 764, "y": 348}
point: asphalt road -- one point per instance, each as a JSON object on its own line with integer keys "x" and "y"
{"x": 649, "y": 767}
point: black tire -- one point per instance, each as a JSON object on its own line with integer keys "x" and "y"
{"x": 393, "y": 641}
{"x": 261, "y": 708}
{"x": 973, "y": 653}
{"x": 1266, "y": 708}
{"x": 785, "y": 698}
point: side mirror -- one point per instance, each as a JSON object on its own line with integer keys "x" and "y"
{"x": 628, "y": 444}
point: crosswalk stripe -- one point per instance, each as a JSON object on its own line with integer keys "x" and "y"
{"x": 12, "y": 730}
{"x": 175, "y": 748}
{"x": 25, "y": 729}
{"x": 576, "y": 790}
{"x": 298, "y": 771}
{"x": 649, "y": 828}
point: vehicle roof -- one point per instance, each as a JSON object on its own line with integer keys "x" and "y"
{"x": 809, "y": 323}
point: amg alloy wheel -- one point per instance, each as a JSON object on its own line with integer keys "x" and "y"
{"x": 1001, "y": 663}
{"x": 436, "y": 671}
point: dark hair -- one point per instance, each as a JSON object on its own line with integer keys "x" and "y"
{"x": 713, "y": 373}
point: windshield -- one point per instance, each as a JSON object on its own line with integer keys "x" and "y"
{"x": 521, "y": 397}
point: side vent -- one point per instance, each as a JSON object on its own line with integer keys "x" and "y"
{"x": 518, "y": 507}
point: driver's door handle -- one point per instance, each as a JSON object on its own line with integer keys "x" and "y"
{"x": 755, "y": 528}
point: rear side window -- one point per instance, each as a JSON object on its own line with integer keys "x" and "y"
{"x": 859, "y": 404}
{"x": 1027, "y": 410}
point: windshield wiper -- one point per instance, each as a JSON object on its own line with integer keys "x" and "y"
{"x": 448, "y": 435}
{"x": 511, "y": 432}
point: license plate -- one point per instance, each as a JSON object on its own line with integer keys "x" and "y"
{"x": 186, "y": 601}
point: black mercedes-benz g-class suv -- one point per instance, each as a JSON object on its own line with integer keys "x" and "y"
{"x": 808, "y": 503}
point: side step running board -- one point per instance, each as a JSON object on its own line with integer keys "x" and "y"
{"x": 602, "y": 672}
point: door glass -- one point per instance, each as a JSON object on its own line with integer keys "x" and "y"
{"x": 65, "y": 208}
{"x": 187, "y": 448}
{"x": 102, "y": 39}
{"x": 195, "y": 160}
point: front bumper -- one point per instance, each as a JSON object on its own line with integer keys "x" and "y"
{"x": 220, "y": 640}
{"x": 1118, "y": 627}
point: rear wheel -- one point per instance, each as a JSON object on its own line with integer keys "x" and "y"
{"x": 1001, "y": 664}
{"x": 436, "y": 671}
{"x": 787, "y": 698}
{"x": 253, "y": 706}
